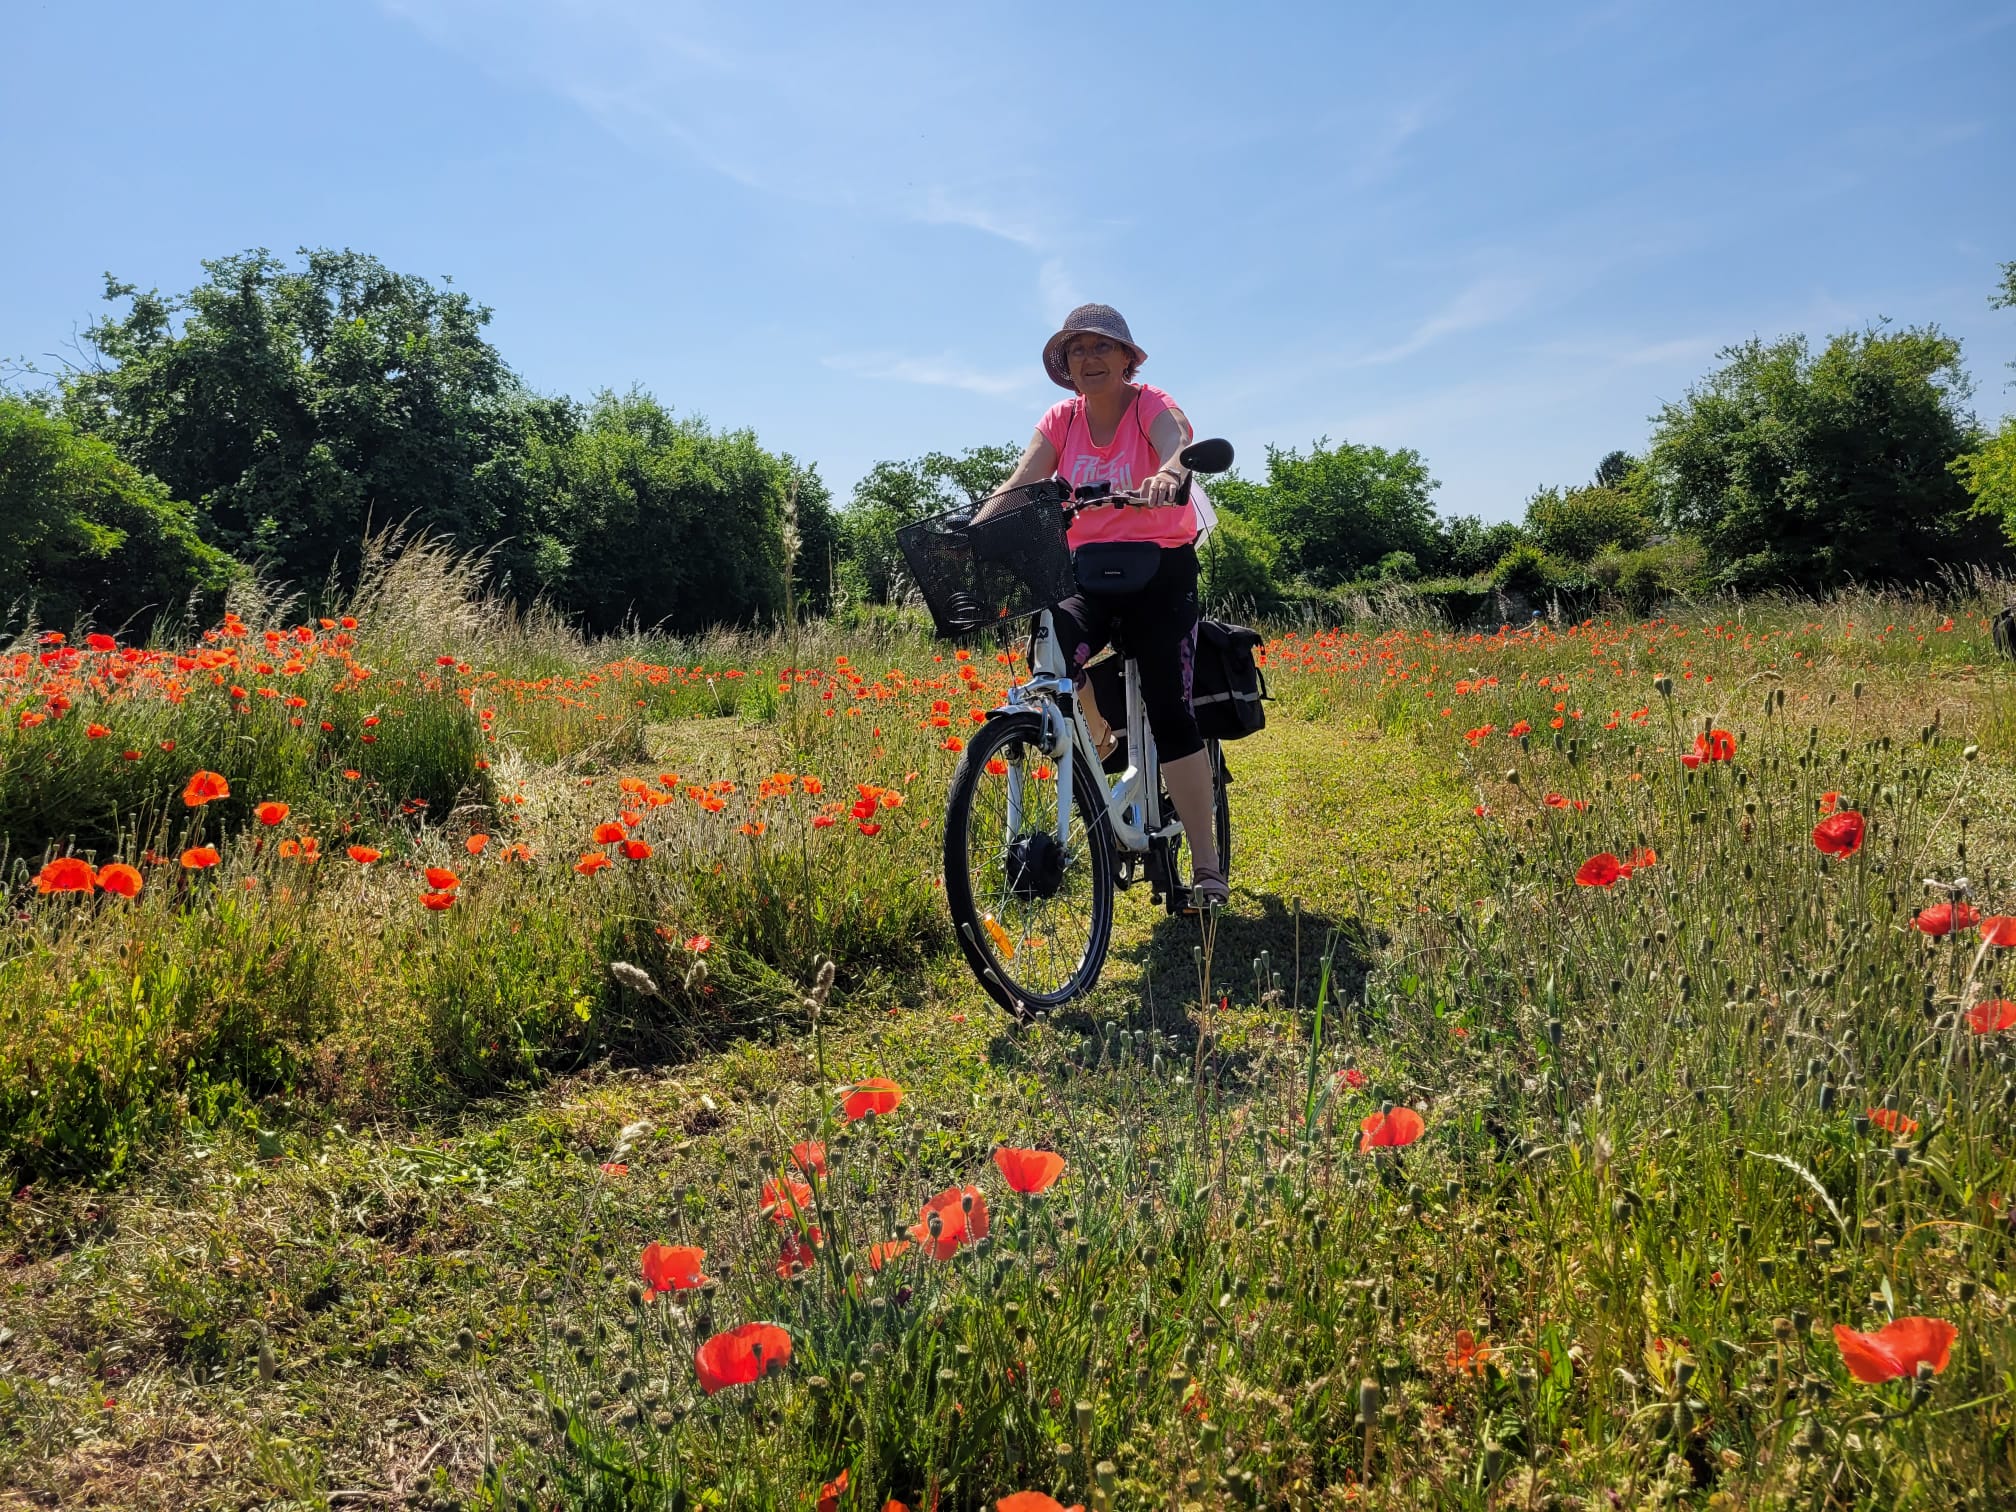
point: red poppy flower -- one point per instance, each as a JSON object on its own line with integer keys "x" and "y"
{"x": 699, "y": 944}
{"x": 829, "y": 1494}
{"x": 864, "y": 807}
{"x": 1716, "y": 745}
{"x": 789, "y": 1197}
{"x": 1996, "y": 1013}
{"x": 1896, "y": 1349}
{"x": 1400, "y": 1126}
{"x": 741, "y": 1355}
{"x": 1999, "y": 929}
{"x": 1895, "y": 1122}
{"x": 199, "y": 857}
{"x": 1033, "y": 1501}
{"x": 1351, "y": 1077}
{"x": 101, "y": 642}
{"x": 270, "y": 813}
{"x": 955, "y": 1224}
{"x": 205, "y": 787}
{"x": 475, "y": 843}
{"x": 880, "y": 1255}
{"x": 442, "y": 880}
{"x": 1469, "y": 1356}
{"x": 637, "y": 850}
{"x": 1029, "y": 1171}
{"x": 1829, "y": 802}
{"x": 875, "y": 1094}
{"x": 1839, "y": 834}
{"x": 822, "y": 821}
{"x": 809, "y": 1156}
{"x": 1600, "y": 870}
{"x": 1944, "y": 918}
{"x": 613, "y": 1168}
{"x": 120, "y": 878}
{"x": 1555, "y": 800}
{"x": 591, "y": 863}
{"x": 437, "y": 902}
{"x": 870, "y": 830}
{"x": 66, "y": 874}
{"x": 799, "y": 1253}
{"x": 672, "y": 1267}
{"x": 609, "y": 834}
{"x": 363, "y": 855}
{"x": 96, "y": 731}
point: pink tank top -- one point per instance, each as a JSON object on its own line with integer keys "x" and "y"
{"x": 1126, "y": 462}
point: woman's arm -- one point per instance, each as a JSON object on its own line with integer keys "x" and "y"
{"x": 1169, "y": 432}
{"x": 1039, "y": 461}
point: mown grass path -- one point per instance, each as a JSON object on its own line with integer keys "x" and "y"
{"x": 132, "y": 1324}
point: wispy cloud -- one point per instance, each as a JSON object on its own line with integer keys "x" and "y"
{"x": 1483, "y": 303}
{"x": 945, "y": 371}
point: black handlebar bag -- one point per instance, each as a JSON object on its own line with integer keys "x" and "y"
{"x": 1112, "y": 569}
{"x": 1227, "y": 688}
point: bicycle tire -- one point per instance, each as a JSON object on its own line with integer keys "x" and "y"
{"x": 1033, "y": 974}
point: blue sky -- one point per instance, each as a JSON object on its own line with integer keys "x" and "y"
{"x": 1502, "y": 235}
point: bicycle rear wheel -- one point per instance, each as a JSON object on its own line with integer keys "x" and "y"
{"x": 1033, "y": 918}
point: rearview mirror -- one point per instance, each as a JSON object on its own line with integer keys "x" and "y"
{"x": 1214, "y": 456}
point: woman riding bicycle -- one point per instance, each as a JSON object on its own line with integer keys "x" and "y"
{"x": 1096, "y": 357}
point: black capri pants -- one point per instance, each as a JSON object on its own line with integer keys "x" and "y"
{"x": 1160, "y": 625}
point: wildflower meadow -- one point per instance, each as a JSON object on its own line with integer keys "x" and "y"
{"x": 446, "y": 1062}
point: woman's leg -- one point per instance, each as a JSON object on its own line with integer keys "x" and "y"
{"x": 1162, "y": 631}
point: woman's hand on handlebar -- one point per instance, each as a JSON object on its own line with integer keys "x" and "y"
{"x": 1164, "y": 487}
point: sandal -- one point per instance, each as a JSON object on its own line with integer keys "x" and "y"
{"x": 1209, "y": 889}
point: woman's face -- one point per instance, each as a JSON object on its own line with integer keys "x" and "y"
{"x": 1096, "y": 363}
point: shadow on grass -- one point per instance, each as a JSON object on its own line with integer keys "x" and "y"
{"x": 1250, "y": 955}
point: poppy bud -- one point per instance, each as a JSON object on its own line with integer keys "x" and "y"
{"x": 1684, "y": 1371}
{"x": 1826, "y": 1097}
{"x": 1368, "y": 1401}
{"x": 1967, "y": 1288}
{"x": 269, "y": 1367}
{"x": 1802, "y": 1322}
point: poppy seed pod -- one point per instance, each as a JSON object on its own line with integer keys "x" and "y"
{"x": 1368, "y": 1401}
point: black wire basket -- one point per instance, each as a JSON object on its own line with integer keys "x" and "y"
{"x": 1009, "y": 566}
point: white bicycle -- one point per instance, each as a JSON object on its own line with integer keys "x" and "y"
{"x": 1038, "y": 832}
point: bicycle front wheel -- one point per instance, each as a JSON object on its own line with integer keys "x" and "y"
{"x": 1034, "y": 917}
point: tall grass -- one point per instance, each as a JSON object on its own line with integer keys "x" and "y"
{"x": 1677, "y": 1126}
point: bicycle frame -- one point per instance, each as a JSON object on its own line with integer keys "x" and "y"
{"x": 1133, "y": 798}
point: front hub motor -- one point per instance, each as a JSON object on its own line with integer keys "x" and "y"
{"x": 1035, "y": 866}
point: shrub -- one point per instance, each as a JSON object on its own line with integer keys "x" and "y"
{"x": 1239, "y": 561}
{"x": 85, "y": 535}
{"x": 1576, "y": 523}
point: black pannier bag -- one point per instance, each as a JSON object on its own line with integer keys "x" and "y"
{"x": 1227, "y": 687}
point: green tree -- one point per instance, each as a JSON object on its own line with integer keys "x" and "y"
{"x": 1615, "y": 467}
{"x": 667, "y": 523}
{"x": 291, "y": 406}
{"x": 1338, "y": 510}
{"x": 1811, "y": 471}
{"x": 86, "y": 535}
{"x": 1576, "y": 523}
{"x": 895, "y": 494}
{"x": 1466, "y": 546}
{"x": 1988, "y": 473}
{"x": 1238, "y": 562}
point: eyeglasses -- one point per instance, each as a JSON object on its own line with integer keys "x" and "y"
{"x": 1078, "y": 351}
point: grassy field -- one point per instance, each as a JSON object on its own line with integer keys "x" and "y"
{"x": 1429, "y": 1175}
